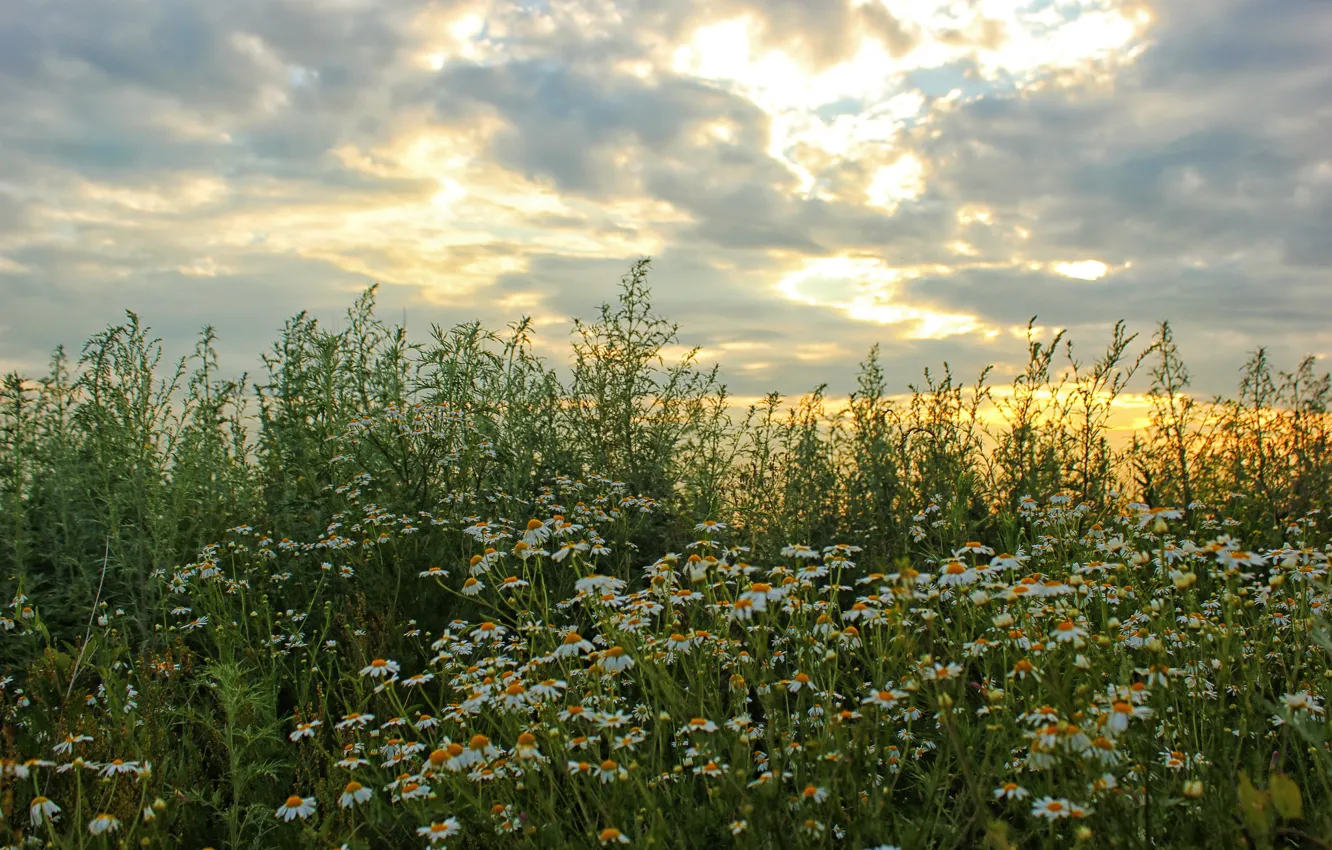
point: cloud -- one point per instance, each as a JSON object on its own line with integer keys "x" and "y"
{"x": 810, "y": 178}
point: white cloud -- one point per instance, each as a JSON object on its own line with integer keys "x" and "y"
{"x": 1082, "y": 269}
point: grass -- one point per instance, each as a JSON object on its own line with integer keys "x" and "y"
{"x": 400, "y": 593}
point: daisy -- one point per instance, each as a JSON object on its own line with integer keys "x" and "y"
{"x": 574, "y": 712}
{"x": 489, "y": 631}
{"x": 973, "y": 546}
{"x": 1010, "y": 791}
{"x": 810, "y": 572}
{"x": 566, "y": 549}
{"x": 514, "y": 696}
{"x": 414, "y": 791}
{"x": 1303, "y": 701}
{"x": 1175, "y": 760}
{"x": 798, "y": 681}
{"x": 679, "y": 643}
{"x": 355, "y": 719}
{"x": 1066, "y": 631}
{"x": 572, "y": 646}
{"x": 744, "y": 608}
{"x": 611, "y": 835}
{"x": 941, "y": 672}
{"x": 103, "y": 823}
{"x": 956, "y": 573}
{"x": 41, "y": 810}
{"x": 1105, "y": 750}
{"x": 1146, "y": 516}
{"x": 610, "y": 771}
{"x": 379, "y": 668}
{"x": 699, "y": 724}
{"x": 630, "y": 741}
{"x": 861, "y": 611}
{"x": 486, "y": 774}
{"x": 305, "y": 730}
{"x": 887, "y": 698}
{"x": 815, "y": 793}
{"x": 796, "y": 550}
{"x": 441, "y": 830}
{"x": 1051, "y": 808}
{"x": 296, "y": 807}
{"x": 446, "y": 756}
{"x": 710, "y": 769}
{"x": 548, "y": 689}
{"x": 597, "y": 584}
{"x": 526, "y": 748}
{"x": 614, "y": 660}
{"x": 118, "y": 766}
{"x": 66, "y": 746}
{"x": 824, "y": 625}
{"x": 536, "y": 533}
{"x": 1121, "y": 711}
{"x": 354, "y": 793}
{"x": 762, "y": 593}
{"x": 479, "y": 749}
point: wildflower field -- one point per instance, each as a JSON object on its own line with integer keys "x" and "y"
{"x": 440, "y": 593}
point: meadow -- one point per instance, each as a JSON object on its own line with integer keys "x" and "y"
{"x": 439, "y": 593}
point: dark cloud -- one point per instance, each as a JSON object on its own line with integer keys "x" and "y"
{"x": 565, "y": 126}
{"x": 823, "y": 34}
{"x": 896, "y": 36}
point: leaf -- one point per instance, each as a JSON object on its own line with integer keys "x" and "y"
{"x": 1254, "y": 807}
{"x": 1286, "y": 797}
{"x": 996, "y": 836}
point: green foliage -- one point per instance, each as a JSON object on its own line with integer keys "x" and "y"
{"x": 203, "y": 566}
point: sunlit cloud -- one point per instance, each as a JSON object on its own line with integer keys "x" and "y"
{"x": 1082, "y": 269}
{"x": 866, "y": 290}
{"x": 904, "y": 180}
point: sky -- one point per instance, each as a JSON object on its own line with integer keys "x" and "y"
{"x": 810, "y": 177}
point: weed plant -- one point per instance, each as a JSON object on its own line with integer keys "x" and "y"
{"x": 396, "y": 593}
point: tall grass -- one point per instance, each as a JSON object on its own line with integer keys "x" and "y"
{"x": 201, "y": 562}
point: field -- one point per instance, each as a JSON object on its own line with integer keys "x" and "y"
{"x": 424, "y": 594}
